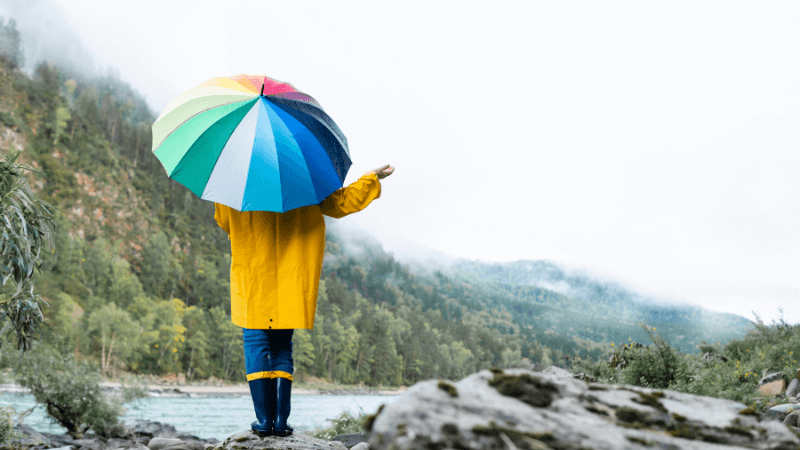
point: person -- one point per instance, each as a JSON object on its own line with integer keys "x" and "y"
{"x": 276, "y": 261}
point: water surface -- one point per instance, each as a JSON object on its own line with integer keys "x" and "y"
{"x": 214, "y": 417}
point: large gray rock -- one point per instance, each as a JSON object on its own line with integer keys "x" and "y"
{"x": 247, "y": 440}
{"x": 528, "y": 410}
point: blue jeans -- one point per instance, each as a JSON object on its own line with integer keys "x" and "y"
{"x": 268, "y": 353}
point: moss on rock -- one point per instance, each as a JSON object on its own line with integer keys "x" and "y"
{"x": 526, "y": 388}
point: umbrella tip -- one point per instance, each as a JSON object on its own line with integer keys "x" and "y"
{"x": 262, "y": 89}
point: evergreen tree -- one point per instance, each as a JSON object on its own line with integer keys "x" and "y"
{"x": 11, "y": 44}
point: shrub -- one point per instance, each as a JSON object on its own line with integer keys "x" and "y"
{"x": 70, "y": 391}
{"x": 346, "y": 423}
{"x": 7, "y": 433}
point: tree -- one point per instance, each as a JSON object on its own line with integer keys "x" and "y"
{"x": 11, "y": 44}
{"x": 160, "y": 268}
{"x": 196, "y": 362}
{"x": 124, "y": 286}
{"x": 28, "y": 227}
{"x": 227, "y": 347}
{"x": 114, "y": 326}
{"x": 167, "y": 337}
{"x": 62, "y": 322}
{"x": 98, "y": 266}
{"x": 303, "y": 353}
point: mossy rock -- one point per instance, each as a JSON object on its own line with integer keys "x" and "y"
{"x": 526, "y": 388}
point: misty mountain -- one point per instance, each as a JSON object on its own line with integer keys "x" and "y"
{"x": 552, "y": 306}
{"x": 548, "y": 275}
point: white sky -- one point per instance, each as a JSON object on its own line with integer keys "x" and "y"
{"x": 654, "y": 144}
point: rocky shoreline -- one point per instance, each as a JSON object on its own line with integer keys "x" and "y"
{"x": 510, "y": 409}
{"x": 149, "y": 435}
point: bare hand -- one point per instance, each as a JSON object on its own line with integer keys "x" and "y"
{"x": 383, "y": 171}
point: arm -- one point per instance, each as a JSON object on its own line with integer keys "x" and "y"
{"x": 353, "y": 198}
{"x": 222, "y": 216}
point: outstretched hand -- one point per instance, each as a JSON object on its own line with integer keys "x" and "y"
{"x": 383, "y": 171}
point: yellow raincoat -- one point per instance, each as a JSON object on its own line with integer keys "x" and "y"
{"x": 276, "y": 258}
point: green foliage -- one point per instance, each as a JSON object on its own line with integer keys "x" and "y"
{"x": 732, "y": 374}
{"x": 112, "y": 329}
{"x": 70, "y": 391}
{"x": 657, "y": 366}
{"x": 27, "y": 225}
{"x": 7, "y": 433}
{"x": 160, "y": 268}
{"x": 346, "y": 423}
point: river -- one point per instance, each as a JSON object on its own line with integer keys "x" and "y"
{"x": 214, "y": 417}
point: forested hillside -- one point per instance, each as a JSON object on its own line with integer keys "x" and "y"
{"x": 138, "y": 279}
{"x": 609, "y": 308}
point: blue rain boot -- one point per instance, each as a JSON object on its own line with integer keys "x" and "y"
{"x": 283, "y": 400}
{"x": 265, "y": 411}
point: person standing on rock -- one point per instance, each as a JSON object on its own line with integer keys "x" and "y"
{"x": 276, "y": 261}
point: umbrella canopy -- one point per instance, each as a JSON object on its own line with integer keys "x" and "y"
{"x": 252, "y": 143}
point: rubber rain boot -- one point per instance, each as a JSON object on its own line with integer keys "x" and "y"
{"x": 259, "y": 391}
{"x": 283, "y": 400}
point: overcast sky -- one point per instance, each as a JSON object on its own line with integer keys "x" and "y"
{"x": 657, "y": 144}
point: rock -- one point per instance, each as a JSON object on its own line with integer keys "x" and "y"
{"x": 117, "y": 443}
{"x": 195, "y": 444}
{"x": 88, "y": 444}
{"x": 157, "y": 443}
{"x": 152, "y": 429}
{"x": 779, "y": 412}
{"x": 772, "y": 384}
{"x": 793, "y": 418}
{"x": 247, "y": 440}
{"x": 361, "y": 446}
{"x": 529, "y": 410}
{"x": 66, "y": 447}
{"x": 29, "y": 436}
{"x": 793, "y": 388}
{"x": 338, "y": 445}
{"x": 773, "y": 388}
{"x": 349, "y": 440}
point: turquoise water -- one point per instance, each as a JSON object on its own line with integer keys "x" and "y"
{"x": 214, "y": 417}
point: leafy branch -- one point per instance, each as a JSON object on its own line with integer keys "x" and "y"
{"x": 27, "y": 227}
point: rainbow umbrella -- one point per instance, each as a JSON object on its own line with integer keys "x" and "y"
{"x": 252, "y": 143}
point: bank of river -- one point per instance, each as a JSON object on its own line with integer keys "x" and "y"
{"x": 217, "y": 417}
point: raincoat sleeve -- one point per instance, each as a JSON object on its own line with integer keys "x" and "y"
{"x": 353, "y": 198}
{"x": 222, "y": 216}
